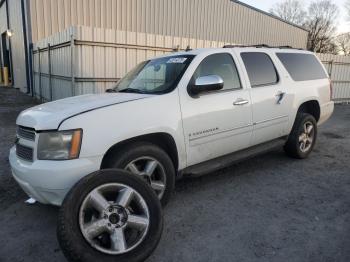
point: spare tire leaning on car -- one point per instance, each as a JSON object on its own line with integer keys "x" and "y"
{"x": 110, "y": 215}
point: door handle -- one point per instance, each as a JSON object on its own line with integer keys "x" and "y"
{"x": 240, "y": 102}
{"x": 280, "y": 95}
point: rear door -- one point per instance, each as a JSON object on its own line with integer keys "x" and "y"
{"x": 271, "y": 102}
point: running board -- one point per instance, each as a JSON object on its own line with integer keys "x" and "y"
{"x": 230, "y": 159}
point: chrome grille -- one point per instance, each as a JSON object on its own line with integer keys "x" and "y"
{"x": 24, "y": 152}
{"x": 26, "y": 133}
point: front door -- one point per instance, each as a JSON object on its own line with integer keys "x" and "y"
{"x": 270, "y": 100}
{"x": 220, "y": 122}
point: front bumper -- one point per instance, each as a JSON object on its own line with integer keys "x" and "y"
{"x": 49, "y": 181}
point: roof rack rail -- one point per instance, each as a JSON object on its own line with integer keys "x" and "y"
{"x": 263, "y": 46}
{"x": 289, "y": 47}
{"x": 285, "y": 46}
{"x": 257, "y": 46}
{"x": 232, "y": 46}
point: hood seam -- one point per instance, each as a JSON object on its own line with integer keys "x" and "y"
{"x": 89, "y": 110}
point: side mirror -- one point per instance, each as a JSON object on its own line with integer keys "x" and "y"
{"x": 206, "y": 84}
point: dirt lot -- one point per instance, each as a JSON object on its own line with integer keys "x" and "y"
{"x": 270, "y": 208}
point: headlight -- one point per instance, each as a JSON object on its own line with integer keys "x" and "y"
{"x": 59, "y": 145}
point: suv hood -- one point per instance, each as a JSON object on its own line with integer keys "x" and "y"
{"x": 50, "y": 115}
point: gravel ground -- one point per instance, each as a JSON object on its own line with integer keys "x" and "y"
{"x": 270, "y": 208}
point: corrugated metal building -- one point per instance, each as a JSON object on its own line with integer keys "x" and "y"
{"x": 14, "y": 52}
{"x": 225, "y": 21}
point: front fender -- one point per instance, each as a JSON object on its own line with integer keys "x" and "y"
{"x": 104, "y": 127}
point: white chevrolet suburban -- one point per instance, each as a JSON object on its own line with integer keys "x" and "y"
{"x": 185, "y": 113}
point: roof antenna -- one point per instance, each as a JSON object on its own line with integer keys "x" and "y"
{"x": 188, "y": 48}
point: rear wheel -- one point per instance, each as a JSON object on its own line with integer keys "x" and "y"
{"x": 110, "y": 215}
{"x": 302, "y": 139}
{"x": 151, "y": 163}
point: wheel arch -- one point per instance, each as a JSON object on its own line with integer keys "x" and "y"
{"x": 163, "y": 140}
{"x": 311, "y": 107}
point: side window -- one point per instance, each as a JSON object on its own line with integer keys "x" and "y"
{"x": 221, "y": 65}
{"x": 302, "y": 67}
{"x": 261, "y": 71}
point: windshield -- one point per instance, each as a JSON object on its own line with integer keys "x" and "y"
{"x": 156, "y": 76}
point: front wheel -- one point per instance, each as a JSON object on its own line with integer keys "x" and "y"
{"x": 152, "y": 164}
{"x": 110, "y": 215}
{"x": 302, "y": 139}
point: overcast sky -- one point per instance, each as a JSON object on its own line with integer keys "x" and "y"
{"x": 343, "y": 24}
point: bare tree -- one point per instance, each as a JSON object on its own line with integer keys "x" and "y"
{"x": 347, "y": 7}
{"x": 321, "y": 23}
{"x": 290, "y": 10}
{"x": 343, "y": 43}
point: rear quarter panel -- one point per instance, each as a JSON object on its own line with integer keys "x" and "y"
{"x": 317, "y": 90}
{"x": 303, "y": 91}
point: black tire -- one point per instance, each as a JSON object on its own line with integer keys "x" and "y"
{"x": 140, "y": 149}
{"x": 72, "y": 242}
{"x": 292, "y": 146}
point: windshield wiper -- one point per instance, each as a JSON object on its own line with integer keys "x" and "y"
{"x": 132, "y": 90}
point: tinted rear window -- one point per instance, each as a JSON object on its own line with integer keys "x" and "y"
{"x": 261, "y": 71}
{"x": 302, "y": 67}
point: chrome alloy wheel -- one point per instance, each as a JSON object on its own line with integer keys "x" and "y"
{"x": 306, "y": 138}
{"x": 151, "y": 170}
{"x": 114, "y": 218}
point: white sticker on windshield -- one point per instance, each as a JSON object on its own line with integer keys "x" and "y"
{"x": 176, "y": 60}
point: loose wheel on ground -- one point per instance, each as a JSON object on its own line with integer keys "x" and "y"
{"x": 110, "y": 215}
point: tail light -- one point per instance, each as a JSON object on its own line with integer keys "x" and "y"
{"x": 330, "y": 90}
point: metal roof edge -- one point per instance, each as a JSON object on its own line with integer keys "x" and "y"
{"x": 269, "y": 14}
